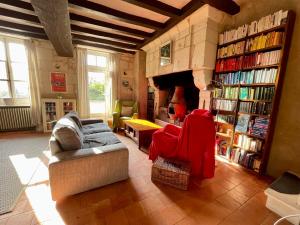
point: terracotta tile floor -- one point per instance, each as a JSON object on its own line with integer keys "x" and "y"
{"x": 232, "y": 197}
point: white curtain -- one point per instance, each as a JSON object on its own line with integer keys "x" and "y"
{"x": 112, "y": 82}
{"x": 82, "y": 77}
{"x": 35, "y": 95}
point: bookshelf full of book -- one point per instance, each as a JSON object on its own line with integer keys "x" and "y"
{"x": 250, "y": 66}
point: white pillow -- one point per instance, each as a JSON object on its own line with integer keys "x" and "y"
{"x": 126, "y": 111}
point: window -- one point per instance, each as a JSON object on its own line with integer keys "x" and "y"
{"x": 13, "y": 69}
{"x": 99, "y": 88}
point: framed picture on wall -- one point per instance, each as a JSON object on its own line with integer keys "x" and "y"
{"x": 165, "y": 53}
{"x": 58, "y": 82}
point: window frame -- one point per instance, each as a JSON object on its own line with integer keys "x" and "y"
{"x": 9, "y": 71}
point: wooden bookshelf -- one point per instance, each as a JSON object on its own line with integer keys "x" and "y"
{"x": 264, "y": 142}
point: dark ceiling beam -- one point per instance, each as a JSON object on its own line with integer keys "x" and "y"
{"x": 157, "y": 6}
{"x": 119, "y": 15}
{"x": 22, "y": 27}
{"x": 18, "y": 3}
{"x": 78, "y": 42}
{"x": 187, "y": 10}
{"x": 24, "y": 34}
{"x": 106, "y": 34}
{"x": 228, "y": 6}
{"x": 18, "y": 15}
{"x": 101, "y": 40}
{"x": 128, "y": 30}
{"x": 54, "y": 16}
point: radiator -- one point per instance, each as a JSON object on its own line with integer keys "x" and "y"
{"x": 15, "y": 118}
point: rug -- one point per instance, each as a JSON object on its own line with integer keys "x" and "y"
{"x": 19, "y": 159}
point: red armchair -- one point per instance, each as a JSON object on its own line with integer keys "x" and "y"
{"x": 194, "y": 142}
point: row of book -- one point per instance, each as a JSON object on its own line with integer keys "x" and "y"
{"x": 249, "y": 61}
{"x": 234, "y": 34}
{"x": 231, "y": 50}
{"x": 225, "y": 118}
{"x": 248, "y": 77}
{"x": 247, "y": 143}
{"x": 227, "y": 92}
{"x": 226, "y": 105}
{"x": 268, "y": 22}
{"x": 257, "y": 93}
{"x": 261, "y": 59}
{"x": 261, "y": 108}
{"x": 264, "y": 41}
{"x": 259, "y": 127}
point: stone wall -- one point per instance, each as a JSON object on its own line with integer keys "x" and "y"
{"x": 194, "y": 45}
{"x": 285, "y": 153}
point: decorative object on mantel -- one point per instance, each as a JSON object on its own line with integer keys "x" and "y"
{"x": 177, "y": 106}
{"x": 125, "y": 83}
{"x": 58, "y": 82}
{"x": 165, "y": 53}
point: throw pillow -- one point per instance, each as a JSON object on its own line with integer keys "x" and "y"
{"x": 67, "y": 137}
{"x": 75, "y": 117}
{"x": 126, "y": 111}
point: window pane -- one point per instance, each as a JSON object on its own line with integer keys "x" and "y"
{"x": 17, "y": 52}
{"x": 2, "y": 51}
{"x": 4, "y": 92}
{"x": 20, "y": 71}
{"x": 21, "y": 89}
{"x": 3, "y": 73}
{"x": 91, "y": 60}
{"x": 101, "y": 61}
{"x": 96, "y": 92}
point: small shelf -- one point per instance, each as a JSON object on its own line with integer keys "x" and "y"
{"x": 266, "y": 49}
{"x": 221, "y": 122}
{"x": 254, "y": 114}
{"x": 230, "y": 99}
{"x": 280, "y": 27}
{"x": 231, "y": 56}
{"x": 223, "y": 135}
{"x": 222, "y": 157}
{"x": 249, "y": 85}
{"x": 253, "y": 100}
{"x": 249, "y": 135}
{"x": 248, "y": 68}
{"x": 232, "y": 42}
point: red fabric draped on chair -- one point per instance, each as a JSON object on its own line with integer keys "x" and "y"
{"x": 194, "y": 142}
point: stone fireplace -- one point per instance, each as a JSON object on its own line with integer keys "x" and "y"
{"x": 194, "y": 44}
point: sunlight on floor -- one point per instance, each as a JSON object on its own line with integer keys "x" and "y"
{"x": 24, "y": 167}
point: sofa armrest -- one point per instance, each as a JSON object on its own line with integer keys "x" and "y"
{"x": 90, "y": 121}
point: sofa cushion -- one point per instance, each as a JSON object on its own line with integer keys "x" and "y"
{"x": 68, "y": 134}
{"x": 100, "y": 139}
{"x": 126, "y": 111}
{"x": 95, "y": 128}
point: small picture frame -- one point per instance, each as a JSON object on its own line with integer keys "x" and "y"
{"x": 58, "y": 82}
{"x": 165, "y": 53}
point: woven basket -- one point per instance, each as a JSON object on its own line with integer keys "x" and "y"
{"x": 171, "y": 172}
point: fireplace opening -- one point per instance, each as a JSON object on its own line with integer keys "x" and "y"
{"x": 178, "y": 96}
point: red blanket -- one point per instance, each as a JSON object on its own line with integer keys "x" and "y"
{"x": 193, "y": 142}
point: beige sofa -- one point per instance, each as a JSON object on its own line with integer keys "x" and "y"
{"x": 85, "y": 155}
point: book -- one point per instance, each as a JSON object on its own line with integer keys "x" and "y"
{"x": 242, "y": 124}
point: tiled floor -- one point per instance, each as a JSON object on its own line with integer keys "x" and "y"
{"x": 231, "y": 197}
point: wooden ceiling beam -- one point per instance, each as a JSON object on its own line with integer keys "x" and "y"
{"x": 118, "y": 15}
{"x": 22, "y": 27}
{"x": 24, "y": 34}
{"x": 78, "y": 42}
{"x": 54, "y": 16}
{"x": 101, "y": 40}
{"x": 128, "y": 30}
{"x": 187, "y": 10}
{"x": 157, "y": 6}
{"x": 18, "y": 3}
{"x": 228, "y": 6}
{"x": 18, "y": 15}
{"x": 106, "y": 34}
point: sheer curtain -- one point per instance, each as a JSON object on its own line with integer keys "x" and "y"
{"x": 113, "y": 61}
{"x": 35, "y": 96}
{"x": 82, "y": 77}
